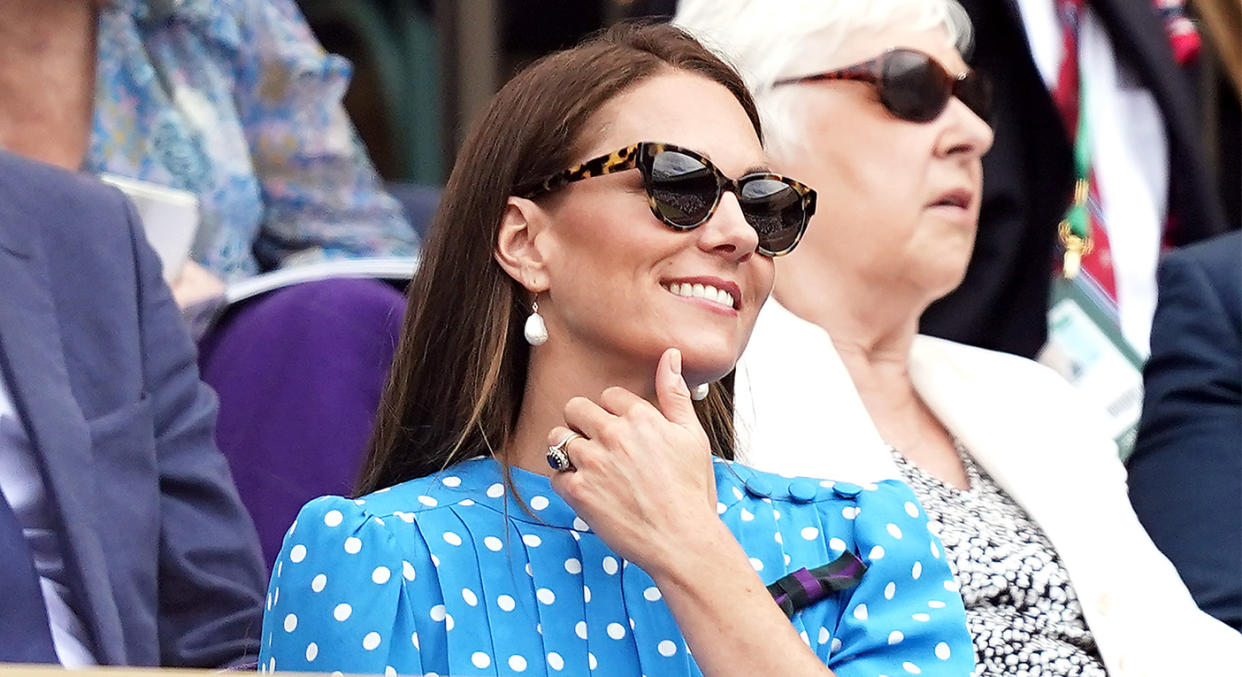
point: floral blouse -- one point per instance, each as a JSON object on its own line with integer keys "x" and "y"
{"x": 236, "y": 102}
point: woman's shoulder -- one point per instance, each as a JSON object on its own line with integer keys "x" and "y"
{"x": 738, "y": 480}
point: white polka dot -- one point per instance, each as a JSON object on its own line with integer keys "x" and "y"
{"x": 616, "y": 630}
{"x": 778, "y": 536}
{"x": 586, "y": 593}
{"x": 922, "y": 618}
{"x": 276, "y": 597}
{"x": 824, "y": 635}
{"x": 788, "y": 559}
{"x": 448, "y": 622}
{"x": 942, "y": 651}
{"x": 506, "y": 603}
{"x": 580, "y": 525}
{"x": 747, "y": 515}
{"x": 893, "y": 530}
{"x": 342, "y": 611}
{"x": 935, "y": 550}
{"x": 651, "y": 594}
{"x": 738, "y": 493}
{"x": 951, "y": 585}
{"x": 297, "y": 553}
{"x": 591, "y": 661}
{"x": 532, "y": 541}
{"x": 492, "y": 543}
{"x": 555, "y": 661}
{"x": 836, "y": 544}
{"x": 545, "y": 596}
{"x": 916, "y": 570}
{"x": 911, "y": 668}
{"x": 836, "y": 645}
{"x": 890, "y": 590}
{"x": 291, "y": 622}
{"x": 573, "y": 566}
{"x": 529, "y": 572}
{"x": 517, "y": 663}
{"x": 721, "y": 508}
{"x": 451, "y": 481}
{"x": 312, "y": 652}
{"x": 414, "y": 639}
{"x": 407, "y": 517}
{"x": 805, "y": 639}
{"x": 428, "y": 501}
{"x": 849, "y": 512}
{"x": 468, "y": 595}
{"x": 371, "y": 642}
{"x": 318, "y": 583}
{"x": 912, "y": 509}
{"x": 610, "y": 565}
{"x": 895, "y": 637}
{"x": 437, "y": 613}
{"x": 333, "y": 518}
{"x": 353, "y": 545}
{"x": 580, "y": 629}
{"x": 936, "y": 604}
{"x": 496, "y": 490}
{"x": 758, "y": 566}
{"x": 466, "y": 502}
{"x": 407, "y": 570}
{"x": 876, "y": 553}
{"x": 452, "y": 538}
{"x": 776, "y": 514}
{"x": 480, "y": 659}
{"x": 860, "y": 612}
{"x": 271, "y": 665}
{"x": 359, "y": 501}
{"x": 280, "y": 566}
{"x": 390, "y": 671}
{"x": 269, "y": 605}
{"x": 810, "y": 533}
{"x": 666, "y": 648}
{"x": 381, "y": 575}
{"x": 539, "y": 502}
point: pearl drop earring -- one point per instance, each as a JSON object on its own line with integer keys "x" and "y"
{"x": 699, "y": 393}
{"x": 536, "y": 331}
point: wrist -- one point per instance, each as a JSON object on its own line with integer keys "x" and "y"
{"x": 698, "y": 557}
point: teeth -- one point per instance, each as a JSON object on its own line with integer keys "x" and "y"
{"x": 702, "y": 291}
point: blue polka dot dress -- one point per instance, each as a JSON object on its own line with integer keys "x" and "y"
{"x": 449, "y": 575}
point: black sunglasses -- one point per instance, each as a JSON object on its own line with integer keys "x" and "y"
{"x": 684, "y": 189}
{"x": 913, "y": 86}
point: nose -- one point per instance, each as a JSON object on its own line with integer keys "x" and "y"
{"x": 966, "y": 135}
{"x": 727, "y": 233}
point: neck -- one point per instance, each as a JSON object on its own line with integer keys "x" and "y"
{"x": 559, "y": 372}
{"x": 872, "y": 327}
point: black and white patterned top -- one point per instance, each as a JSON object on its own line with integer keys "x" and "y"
{"x": 1021, "y": 608}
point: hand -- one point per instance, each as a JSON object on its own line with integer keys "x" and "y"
{"x": 644, "y": 477}
{"x": 195, "y": 284}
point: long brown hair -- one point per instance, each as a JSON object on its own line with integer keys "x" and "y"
{"x": 456, "y": 384}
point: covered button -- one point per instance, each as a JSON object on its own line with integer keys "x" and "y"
{"x": 803, "y": 490}
{"x": 757, "y": 485}
{"x": 846, "y": 489}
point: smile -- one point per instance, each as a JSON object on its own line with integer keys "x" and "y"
{"x": 703, "y": 291}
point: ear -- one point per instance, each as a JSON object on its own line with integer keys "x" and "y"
{"x": 516, "y": 250}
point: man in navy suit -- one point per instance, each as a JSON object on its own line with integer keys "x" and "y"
{"x": 1186, "y": 471}
{"x": 122, "y": 539}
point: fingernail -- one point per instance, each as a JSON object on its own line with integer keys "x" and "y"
{"x": 675, "y": 362}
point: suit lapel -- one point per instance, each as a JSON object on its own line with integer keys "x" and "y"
{"x": 33, "y": 361}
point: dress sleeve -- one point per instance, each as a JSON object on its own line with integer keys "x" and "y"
{"x": 906, "y": 616}
{"x": 336, "y": 600}
{"x": 322, "y": 196}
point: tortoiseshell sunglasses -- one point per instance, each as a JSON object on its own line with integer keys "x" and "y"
{"x": 684, "y": 189}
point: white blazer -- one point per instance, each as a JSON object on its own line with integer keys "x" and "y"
{"x": 799, "y": 413}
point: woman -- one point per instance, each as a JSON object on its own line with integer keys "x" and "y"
{"x": 874, "y": 103}
{"x": 235, "y": 102}
{"x": 516, "y": 520}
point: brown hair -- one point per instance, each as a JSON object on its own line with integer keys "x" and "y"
{"x": 456, "y": 383}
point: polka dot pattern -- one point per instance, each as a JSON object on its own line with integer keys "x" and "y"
{"x": 421, "y": 578}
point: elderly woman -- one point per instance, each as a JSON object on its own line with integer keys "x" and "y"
{"x": 537, "y": 502}
{"x": 873, "y": 104}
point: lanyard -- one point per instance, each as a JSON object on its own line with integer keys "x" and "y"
{"x": 1075, "y": 228}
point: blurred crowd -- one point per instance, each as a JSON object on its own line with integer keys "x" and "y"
{"x": 807, "y": 336}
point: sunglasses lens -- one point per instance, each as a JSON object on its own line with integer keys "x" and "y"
{"x": 684, "y": 189}
{"x": 975, "y": 90}
{"x": 774, "y": 209}
{"x": 914, "y": 87}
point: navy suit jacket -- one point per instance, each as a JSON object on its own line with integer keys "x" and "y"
{"x": 162, "y": 557}
{"x": 1186, "y": 471}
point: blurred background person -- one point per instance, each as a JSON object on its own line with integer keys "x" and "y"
{"x": 874, "y": 103}
{"x": 1186, "y": 471}
{"x": 236, "y": 103}
{"x": 122, "y": 538}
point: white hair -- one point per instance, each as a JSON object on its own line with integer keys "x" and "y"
{"x": 767, "y": 40}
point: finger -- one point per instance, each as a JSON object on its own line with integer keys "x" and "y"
{"x": 587, "y": 417}
{"x": 672, "y": 392}
{"x": 619, "y": 402}
{"x": 566, "y": 439}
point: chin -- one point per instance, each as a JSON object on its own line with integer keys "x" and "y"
{"x": 705, "y": 364}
